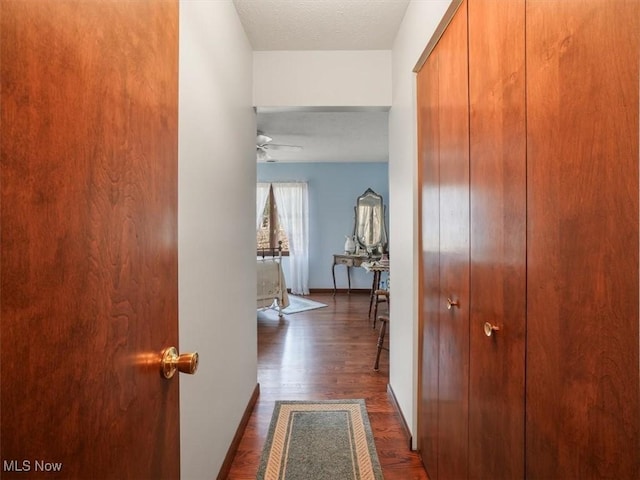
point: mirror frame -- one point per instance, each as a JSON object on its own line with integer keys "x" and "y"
{"x": 380, "y": 244}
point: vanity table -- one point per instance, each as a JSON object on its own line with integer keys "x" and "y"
{"x": 348, "y": 260}
{"x": 369, "y": 237}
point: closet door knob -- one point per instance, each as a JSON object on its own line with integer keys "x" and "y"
{"x": 452, "y": 303}
{"x": 489, "y": 329}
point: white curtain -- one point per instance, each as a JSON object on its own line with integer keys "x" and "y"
{"x": 292, "y": 201}
{"x": 262, "y": 192}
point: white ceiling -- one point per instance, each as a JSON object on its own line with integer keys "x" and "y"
{"x": 359, "y": 135}
{"x": 321, "y": 24}
{"x": 327, "y": 136}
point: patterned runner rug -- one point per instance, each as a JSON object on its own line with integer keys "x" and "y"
{"x": 323, "y": 440}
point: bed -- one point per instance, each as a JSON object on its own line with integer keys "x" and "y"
{"x": 272, "y": 289}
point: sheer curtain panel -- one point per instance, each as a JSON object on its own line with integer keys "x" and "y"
{"x": 292, "y": 201}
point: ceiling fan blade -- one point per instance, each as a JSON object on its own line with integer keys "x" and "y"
{"x": 289, "y": 148}
{"x": 262, "y": 139}
{"x": 263, "y": 143}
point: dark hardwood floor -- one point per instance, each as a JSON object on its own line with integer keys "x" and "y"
{"x": 326, "y": 354}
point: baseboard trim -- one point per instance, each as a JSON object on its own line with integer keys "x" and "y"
{"x": 235, "y": 443}
{"x": 405, "y": 427}
{"x": 345, "y": 291}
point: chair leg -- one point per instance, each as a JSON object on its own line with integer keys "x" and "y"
{"x": 375, "y": 308}
{"x": 375, "y": 313}
{"x": 374, "y": 286}
{"x": 383, "y": 331}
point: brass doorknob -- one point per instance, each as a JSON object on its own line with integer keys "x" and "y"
{"x": 171, "y": 361}
{"x": 452, "y": 303}
{"x": 489, "y": 329}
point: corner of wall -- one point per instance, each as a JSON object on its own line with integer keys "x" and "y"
{"x": 215, "y": 109}
{"x": 418, "y": 25}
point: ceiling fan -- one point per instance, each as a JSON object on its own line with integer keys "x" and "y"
{"x": 263, "y": 144}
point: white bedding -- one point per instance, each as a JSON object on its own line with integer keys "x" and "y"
{"x": 271, "y": 284}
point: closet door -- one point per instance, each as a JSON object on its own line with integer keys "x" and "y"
{"x": 498, "y": 238}
{"x": 444, "y": 174}
{"x": 582, "y": 402}
{"x": 429, "y": 169}
{"x": 453, "y": 361}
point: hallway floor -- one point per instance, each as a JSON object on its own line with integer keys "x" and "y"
{"x": 326, "y": 354}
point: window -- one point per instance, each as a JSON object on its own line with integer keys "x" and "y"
{"x": 290, "y": 215}
{"x": 270, "y": 231}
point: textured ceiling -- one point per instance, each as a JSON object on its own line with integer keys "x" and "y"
{"x": 321, "y": 24}
{"x": 358, "y": 135}
{"x": 327, "y": 136}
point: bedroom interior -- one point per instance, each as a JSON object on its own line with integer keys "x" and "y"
{"x": 343, "y": 152}
{"x": 278, "y": 266}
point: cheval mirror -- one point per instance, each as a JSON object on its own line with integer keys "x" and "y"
{"x": 369, "y": 229}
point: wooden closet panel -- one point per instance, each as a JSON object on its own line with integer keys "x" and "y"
{"x": 429, "y": 157}
{"x": 453, "y": 376}
{"x": 498, "y": 238}
{"x": 582, "y": 410}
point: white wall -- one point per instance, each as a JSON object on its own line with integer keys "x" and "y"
{"x": 322, "y": 78}
{"x": 420, "y": 21}
{"x": 217, "y": 177}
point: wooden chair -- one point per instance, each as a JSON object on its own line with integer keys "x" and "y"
{"x": 380, "y": 296}
{"x": 383, "y": 330}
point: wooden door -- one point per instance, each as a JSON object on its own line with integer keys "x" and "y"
{"x": 498, "y": 238}
{"x": 444, "y": 281}
{"x": 89, "y": 238}
{"x": 582, "y": 402}
{"x": 453, "y": 344}
{"x": 429, "y": 168}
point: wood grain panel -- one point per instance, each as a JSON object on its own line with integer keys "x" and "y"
{"x": 582, "y": 418}
{"x": 498, "y": 238}
{"x": 430, "y": 301}
{"x": 453, "y": 375}
{"x": 89, "y": 236}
